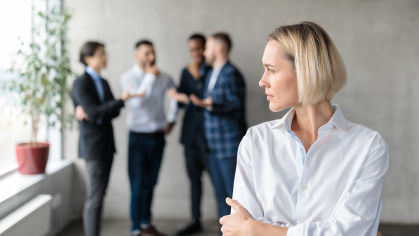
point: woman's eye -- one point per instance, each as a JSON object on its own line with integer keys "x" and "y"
{"x": 270, "y": 71}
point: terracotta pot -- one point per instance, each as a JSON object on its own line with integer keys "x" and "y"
{"x": 32, "y": 160}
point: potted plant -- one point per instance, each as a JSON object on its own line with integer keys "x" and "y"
{"x": 41, "y": 84}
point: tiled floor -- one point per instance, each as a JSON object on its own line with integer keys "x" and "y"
{"x": 121, "y": 228}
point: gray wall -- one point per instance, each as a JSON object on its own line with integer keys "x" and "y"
{"x": 377, "y": 40}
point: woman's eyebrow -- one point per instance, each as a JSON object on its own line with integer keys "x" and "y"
{"x": 268, "y": 65}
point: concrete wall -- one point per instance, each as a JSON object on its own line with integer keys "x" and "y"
{"x": 378, "y": 41}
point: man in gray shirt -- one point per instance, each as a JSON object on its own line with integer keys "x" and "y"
{"x": 148, "y": 125}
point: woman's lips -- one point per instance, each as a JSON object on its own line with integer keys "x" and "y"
{"x": 268, "y": 96}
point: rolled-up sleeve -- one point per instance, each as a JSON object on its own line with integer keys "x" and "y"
{"x": 173, "y": 106}
{"x": 145, "y": 86}
{"x": 357, "y": 214}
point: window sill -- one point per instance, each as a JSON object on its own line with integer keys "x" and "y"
{"x": 13, "y": 183}
{"x": 8, "y": 170}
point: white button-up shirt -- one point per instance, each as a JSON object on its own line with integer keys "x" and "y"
{"x": 214, "y": 77}
{"x": 334, "y": 189}
{"x": 146, "y": 114}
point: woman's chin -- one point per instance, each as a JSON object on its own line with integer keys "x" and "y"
{"x": 276, "y": 107}
{"x": 273, "y": 108}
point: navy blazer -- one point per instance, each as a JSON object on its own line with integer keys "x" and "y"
{"x": 96, "y": 139}
{"x": 225, "y": 123}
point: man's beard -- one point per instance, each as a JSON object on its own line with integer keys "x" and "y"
{"x": 145, "y": 63}
{"x": 209, "y": 61}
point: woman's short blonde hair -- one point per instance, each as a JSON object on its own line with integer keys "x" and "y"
{"x": 319, "y": 68}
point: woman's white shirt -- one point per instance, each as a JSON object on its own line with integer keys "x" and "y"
{"x": 336, "y": 190}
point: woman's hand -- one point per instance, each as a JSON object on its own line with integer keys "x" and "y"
{"x": 178, "y": 97}
{"x": 204, "y": 103}
{"x": 239, "y": 223}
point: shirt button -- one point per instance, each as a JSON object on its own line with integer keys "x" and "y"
{"x": 299, "y": 149}
{"x": 304, "y": 187}
{"x": 302, "y": 222}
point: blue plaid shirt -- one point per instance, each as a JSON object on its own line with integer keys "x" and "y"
{"x": 225, "y": 123}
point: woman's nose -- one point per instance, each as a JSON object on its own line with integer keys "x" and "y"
{"x": 263, "y": 82}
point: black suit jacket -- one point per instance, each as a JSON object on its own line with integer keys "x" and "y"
{"x": 193, "y": 119}
{"x": 96, "y": 138}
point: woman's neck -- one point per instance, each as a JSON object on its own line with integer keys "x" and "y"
{"x": 309, "y": 119}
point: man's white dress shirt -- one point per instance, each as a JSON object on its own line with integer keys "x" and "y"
{"x": 146, "y": 114}
{"x": 334, "y": 189}
{"x": 214, "y": 76}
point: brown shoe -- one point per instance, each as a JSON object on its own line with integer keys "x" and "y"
{"x": 151, "y": 230}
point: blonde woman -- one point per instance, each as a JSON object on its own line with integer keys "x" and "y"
{"x": 312, "y": 172}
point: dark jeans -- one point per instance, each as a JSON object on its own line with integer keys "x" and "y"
{"x": 222, "y": 174}
{"x": 196, "y": 162}
{"x": 145, "y": 153}
{"x": 97, "y": 181}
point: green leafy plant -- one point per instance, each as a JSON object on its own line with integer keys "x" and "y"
{"x": 43, "y": 70}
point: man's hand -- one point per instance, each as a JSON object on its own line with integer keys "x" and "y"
{"x": 127, "y": 95}
{"x": 80, "y": 114}
{"x": 152, "y": 69}
{"x": 169, "y": 128}
{"x": 239, "y": 223}
{"x": 179, "y": 97}
{"x": 201, "y": 102}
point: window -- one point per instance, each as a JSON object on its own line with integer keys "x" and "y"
{"x": 16, "y": 23}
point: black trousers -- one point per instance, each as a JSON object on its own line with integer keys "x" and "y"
{"x": 196, "y": 162}
{"x": 98, "y": 172}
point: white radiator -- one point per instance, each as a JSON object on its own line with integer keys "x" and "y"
{"x": 33, "y": 218}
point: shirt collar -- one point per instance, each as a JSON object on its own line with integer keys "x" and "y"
{"x": 338, "y": 120}
{"x": 93, "y": 73}
{"x": 138, "y": 69}
{"x": 218, "y": 69}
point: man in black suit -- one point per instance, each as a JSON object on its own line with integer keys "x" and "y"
{"x": 192, "y": 81}
{"x": 95, "y": 109}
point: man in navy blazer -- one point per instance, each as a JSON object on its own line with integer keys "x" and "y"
{"x": 224, "y": 116}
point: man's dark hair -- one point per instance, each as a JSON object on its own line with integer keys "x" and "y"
{"x": 89, "y": 49}
{"x": 143, "y": 42}
{"x": 198, "y": 37}
{"x": 224, "y": 38}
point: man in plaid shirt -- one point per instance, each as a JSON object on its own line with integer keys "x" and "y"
{"x": 225, "y": 124}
